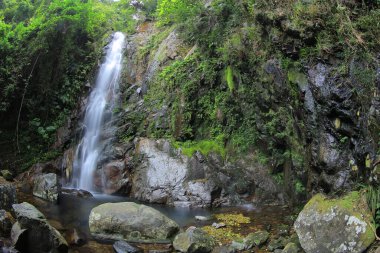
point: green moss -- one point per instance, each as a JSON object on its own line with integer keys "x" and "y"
{"x": 188, "y": 148}
{"x": 230, "y": 78}
{"x": 346, "y": 202}
{"x": 297, "y": 78}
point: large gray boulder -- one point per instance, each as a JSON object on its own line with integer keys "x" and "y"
{"x": 130, "y": 221}
{"x": 194, "y": 240}
{"x": 166, "y": 176}
{"x": 46, "y": 186}
{"x": 7, "y": 194}
{"x": 32, "y": 233}
{"x": 335, "y": 225}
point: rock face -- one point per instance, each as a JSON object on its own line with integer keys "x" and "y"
{"x": 46, "y": 186}
{"x": 171, "y": 178}
{"x": 130, "y": 221}
{"x": 7, "y": 194}
{"x": 194, "y": 240}
{"x": 27, "y": 179}
{"x": 335, "y": 225}
{"x": 32, "y": 232}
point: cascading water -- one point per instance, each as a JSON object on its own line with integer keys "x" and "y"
{"x": 101, "y": 100}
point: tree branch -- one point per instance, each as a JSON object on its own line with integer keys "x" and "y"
{"x": 22, "y": 102}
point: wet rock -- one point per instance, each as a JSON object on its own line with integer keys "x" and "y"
{"x": 6, "y": 222}
{"x": 75, "y": 237}
{"x": 77, "y": 193}
{"x": 6, "y": 174}
{"x": 27, "y": 179}
{"x": 7, "y": 194}
{"x": 290, "y": 248}
{"x": 115, "y": 178}
{"x": 130, "y": 221}
{"x": 46, "y": 186}
{"x": 347, "y": 220}
{"x": 256, "y": 239}
{"x": 194, "y": 240}
{"x": 32, "y": 232}
{"x": 124, "y": 247}
{"x": 67, "y": 165}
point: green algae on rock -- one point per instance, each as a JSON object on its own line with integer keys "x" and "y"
{"x": 335, "y": 225}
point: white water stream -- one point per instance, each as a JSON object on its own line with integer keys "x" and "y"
{"x": 101, "y": 99}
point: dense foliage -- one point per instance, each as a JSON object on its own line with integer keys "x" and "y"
{"x": 48, "y": 49}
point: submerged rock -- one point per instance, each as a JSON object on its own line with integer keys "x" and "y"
{"x": 124, "y": 247}
{"x": 32, "y": 233}
{"x": 46, "y": 186}
{"x": 7, "y": 194}
{"x": 335, "y": 225}
{"x": 194, "y": 240}
{"x": 130, "y": 221}
{"x": 77, "y": 193}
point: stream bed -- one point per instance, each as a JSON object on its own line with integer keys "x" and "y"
{"x": 72, "y": 212}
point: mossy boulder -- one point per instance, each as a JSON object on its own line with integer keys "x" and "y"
{"x": 335, "y": 225}
{"x": 194, "y": 240}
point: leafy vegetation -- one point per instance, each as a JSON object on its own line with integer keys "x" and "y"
{"x": 373, "y": 200}
{"x": 48, "y": 51}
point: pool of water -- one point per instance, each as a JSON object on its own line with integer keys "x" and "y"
{"x": 73, "y": 212}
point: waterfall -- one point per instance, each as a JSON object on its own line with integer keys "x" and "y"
{"x": 101, "y": 100}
